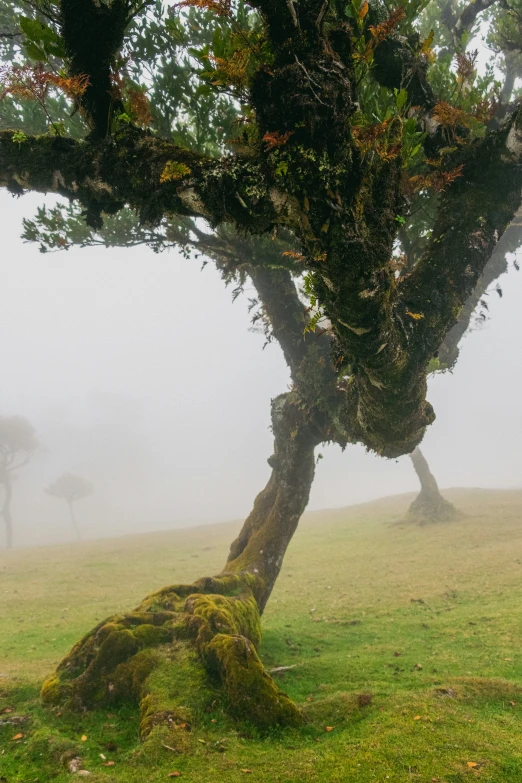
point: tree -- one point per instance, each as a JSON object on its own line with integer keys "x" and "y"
{"x": 341, "y": 136}
{"x": 17, "y": 446}
{"x": 71, "y": 488}
{"x": 505, "y": 37}
{"x": 430, "y": 506}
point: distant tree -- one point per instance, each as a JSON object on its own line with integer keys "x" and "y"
{"x": 71, "y": 488}
{"x": 17, "y": 445}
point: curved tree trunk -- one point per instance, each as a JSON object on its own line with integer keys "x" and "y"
{"x": 210, "y": 630}
{"x": 6, "y": 512}
{"x": 74, "y": 523}
{"x": 429, "y": 506}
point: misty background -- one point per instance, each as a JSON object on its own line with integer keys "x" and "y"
{"x": 140, "y": 374}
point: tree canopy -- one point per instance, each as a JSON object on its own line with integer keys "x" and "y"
{"x": 70, "y": 487}
{"x": 325, "y": 124}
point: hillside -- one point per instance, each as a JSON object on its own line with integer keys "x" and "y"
{"x": 405, "y": 640}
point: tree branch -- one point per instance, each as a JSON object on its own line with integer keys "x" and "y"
{"x": 469, "y": 16}
{"x": 496, "y": 266}
{"x": 129, "y": 168}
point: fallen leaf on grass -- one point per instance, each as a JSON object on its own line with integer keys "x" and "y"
{"x": 18, "y": 736}
{"x": 174, "y": 774}
{"x": 512, "y": 703}
{"x": 246, "y": 771}
{"x": 108, "y": 764}
{"x": 417, "y": 717}
{"x": 329, "y": 728}
{"x": 84, "y": 738}
{"x": 472, "y": 764}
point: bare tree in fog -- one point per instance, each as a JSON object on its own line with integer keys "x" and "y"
{"x": 17, "y": 445}
{"x": 71, "y": 488}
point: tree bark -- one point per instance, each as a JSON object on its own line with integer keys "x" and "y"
{"x": 6, "y": 511}
{"x": 429, "y": 506}
{"x": 74, "y": 523}
{"x": 264, "y": 538}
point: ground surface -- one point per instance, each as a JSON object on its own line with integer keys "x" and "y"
{"x": 425, "y": 624}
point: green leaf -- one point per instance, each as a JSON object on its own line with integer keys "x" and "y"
{"x": 400, "y": 98}
{"x": 18, "y": 137}
{"x": 56, "y": 48}
{"x": 34, "y": 51}
{"x": 32, "y": 28}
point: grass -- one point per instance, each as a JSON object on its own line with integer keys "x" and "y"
{"x": 423, "y": 623}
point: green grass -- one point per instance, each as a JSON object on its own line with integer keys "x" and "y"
{"x": 426, "y": 621}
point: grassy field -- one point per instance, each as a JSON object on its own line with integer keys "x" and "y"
{"x": 405, "y": 642}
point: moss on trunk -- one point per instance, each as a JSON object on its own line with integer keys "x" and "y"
{"x": 208, "y": 629}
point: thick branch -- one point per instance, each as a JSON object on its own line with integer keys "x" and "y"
{"x": 496, "y": 266}
{"x": 93, "y": 34}
{"x": 473, "y": 215}
{"x": 469, "y": 15}
{"x": 129, "y": 168}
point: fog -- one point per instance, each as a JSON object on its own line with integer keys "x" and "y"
{"x": 140, "y": 374}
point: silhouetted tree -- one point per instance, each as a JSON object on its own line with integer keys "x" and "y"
{"x": 71, "y": 488}
{"x": 17, "y": 445}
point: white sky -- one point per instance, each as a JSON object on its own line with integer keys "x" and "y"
{"x": 139, "y": 372}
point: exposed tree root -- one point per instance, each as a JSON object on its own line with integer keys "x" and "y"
{"x": 428, "y": 510}
{"x": 429, "y": 506}
{"x": 208, "y": 629}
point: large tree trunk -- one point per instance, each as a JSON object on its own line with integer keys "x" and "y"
{"x": 6, "y": 511}
{"x": 429, "y": 506}
{"x": 209, "y": 630}
{"x": 74, "y": 523}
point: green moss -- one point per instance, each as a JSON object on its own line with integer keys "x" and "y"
{"x": 160, "y": 658}
{"x": 118, "y": 647}
{"x": 52, "y": 690}
{"x": 152, "y": 635}
{"x": 217, "y": 614}
{"x": 129, "y": 677}
{"x": 177, "y": 691}
{"x": 252, "y": 694}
